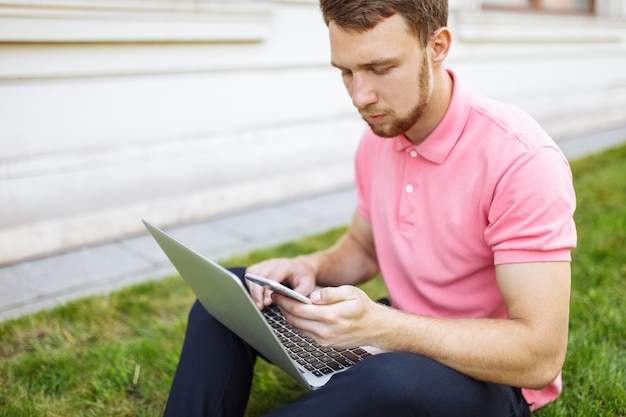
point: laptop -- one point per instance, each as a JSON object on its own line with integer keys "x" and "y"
{"x": 224, "y": 295}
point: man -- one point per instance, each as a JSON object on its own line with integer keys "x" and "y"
{"x": 465, "y": 206}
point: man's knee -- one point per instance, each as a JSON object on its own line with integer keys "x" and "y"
{"x": 409, "y": 384}
{"x": 198, "y": 315}
{"x": 397, "y": 380}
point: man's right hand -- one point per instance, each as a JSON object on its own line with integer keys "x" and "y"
{"x": 298, "y": 273}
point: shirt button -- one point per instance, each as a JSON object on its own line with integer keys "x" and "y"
{"x": 409, "y": 188}
{"x": 413, "y": 153}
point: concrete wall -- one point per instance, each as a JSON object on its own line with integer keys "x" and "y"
{"x": 569, "y": 72}
{"x": 173, "y": 111}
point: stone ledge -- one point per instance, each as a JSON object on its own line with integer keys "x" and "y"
{"x": 63, "y": 21}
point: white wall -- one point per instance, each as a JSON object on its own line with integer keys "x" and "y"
{"x": 96, "y": 136}
{"x": 569, "y": 72}
{"x": 111, "y": 111}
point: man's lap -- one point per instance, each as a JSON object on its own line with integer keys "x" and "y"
{"x": 388, "y": 384}
{"x": 404, "y": 384}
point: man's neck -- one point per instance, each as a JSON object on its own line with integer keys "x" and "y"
{"x": 436, "y": 110}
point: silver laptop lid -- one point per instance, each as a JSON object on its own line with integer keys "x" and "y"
{"x": 224, "y": 296}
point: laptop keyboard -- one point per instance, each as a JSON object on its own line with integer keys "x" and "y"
{"x": 306, "y": 352}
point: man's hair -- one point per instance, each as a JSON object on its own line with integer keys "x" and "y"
{"x": 424, "y": 17}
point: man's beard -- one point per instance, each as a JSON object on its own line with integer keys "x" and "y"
{"x": 399, "y": 126}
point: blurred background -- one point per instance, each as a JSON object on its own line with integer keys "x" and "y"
{"x": 178, "y": 111}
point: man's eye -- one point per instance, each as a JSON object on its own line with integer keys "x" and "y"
{"x": 381, "y": 71}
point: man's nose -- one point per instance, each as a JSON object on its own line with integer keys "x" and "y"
{"x": 362, "y": 93}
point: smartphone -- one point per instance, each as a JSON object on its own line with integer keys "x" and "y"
{"x": 278, "y": 287}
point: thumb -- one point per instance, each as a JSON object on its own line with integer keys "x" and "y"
{"x": 332, "y": 295}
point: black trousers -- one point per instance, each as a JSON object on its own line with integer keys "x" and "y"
{"x": 214, "y": 377}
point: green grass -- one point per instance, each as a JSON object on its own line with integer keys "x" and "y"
{"x": 115, "y": 355}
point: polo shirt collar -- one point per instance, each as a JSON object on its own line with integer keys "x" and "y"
{"x": 440, "y": 142}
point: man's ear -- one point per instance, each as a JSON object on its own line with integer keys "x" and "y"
{"x": 440, "y": 45}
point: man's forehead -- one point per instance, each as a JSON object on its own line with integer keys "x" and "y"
{"x": 385, "y": 42}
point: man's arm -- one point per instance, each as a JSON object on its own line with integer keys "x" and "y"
{"x": 526, "y": 350}
{"x": 351, "y": 261}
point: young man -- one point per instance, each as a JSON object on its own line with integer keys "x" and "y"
{"x": 465, "y": 206}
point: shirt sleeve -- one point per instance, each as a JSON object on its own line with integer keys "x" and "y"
{"x": 531, "y": 216}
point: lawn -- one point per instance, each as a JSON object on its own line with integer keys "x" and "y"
{"x": 115, "y": 355}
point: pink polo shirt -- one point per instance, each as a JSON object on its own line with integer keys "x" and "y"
{"x": 487, "y": 187}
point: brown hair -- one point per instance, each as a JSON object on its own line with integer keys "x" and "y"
{"x": 424, "y": 17}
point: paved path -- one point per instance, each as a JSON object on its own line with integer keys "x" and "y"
{"x": 31, "y": 286}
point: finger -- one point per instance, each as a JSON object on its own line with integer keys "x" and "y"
{"x": 275, "y": 269}
{"x": 257, "y": 294}
{"x": 307, "y": 319}
{"x": 304, "y": 287}
{"x": 260, "y": 295}
{"x": 333, "y": 295}
{"x": 267, "y": 297}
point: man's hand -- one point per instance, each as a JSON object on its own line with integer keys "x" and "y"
{"x": 351, "y": 260}
{"x": 341, "y": 317}
{"x": 297, "y": 273}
